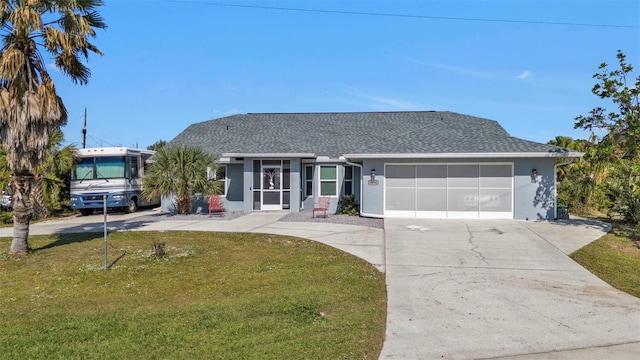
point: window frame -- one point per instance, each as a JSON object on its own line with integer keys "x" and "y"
{"x": 334, "y": 180}
{"x": 348, "y": 180}
{"x": 308, "y": 180}
{"x": 222, "y": 179}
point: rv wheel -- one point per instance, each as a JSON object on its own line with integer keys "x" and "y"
{"x": 133, "y": 206}
{"x": 86, "y": 212}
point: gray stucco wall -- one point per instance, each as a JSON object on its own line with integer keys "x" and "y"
{"x": 235, "y": 183}
{"x": 373, "y": 195}
{"x": 295, "y": 185}
{"x": 534, "y": 199}
{"x": 247, "y": 193}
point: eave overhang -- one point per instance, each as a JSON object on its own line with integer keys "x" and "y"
{"x": 562, "y": 154}
{"x": 269, "y": 155}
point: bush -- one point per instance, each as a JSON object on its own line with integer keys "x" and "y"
{"x": 6, "y": 217}
{"x": 348, "y": 205}
{"x": 159, "y": 250}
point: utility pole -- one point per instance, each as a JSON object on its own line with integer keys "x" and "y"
{"x": 84, "y": 130}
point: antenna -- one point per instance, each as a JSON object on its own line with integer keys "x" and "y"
{"x": 84, "y": 130}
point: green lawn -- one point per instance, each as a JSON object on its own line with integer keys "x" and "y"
{"x": 216, "y": 296}
{"x": 614, "y": 258}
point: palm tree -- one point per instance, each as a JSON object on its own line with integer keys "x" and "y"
{"x": 180, "y": 171}
{"x": 50, "y": 174}
{"x": 30, "y": 109}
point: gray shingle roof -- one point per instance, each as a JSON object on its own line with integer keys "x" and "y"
{"x": 335, "y": 134}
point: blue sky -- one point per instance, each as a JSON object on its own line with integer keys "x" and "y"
{"x": 168, "y": 64}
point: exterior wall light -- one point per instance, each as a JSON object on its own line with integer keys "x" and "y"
{"x": 372, "y": 179}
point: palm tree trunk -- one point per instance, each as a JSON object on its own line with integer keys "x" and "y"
{"x": 21, "y": 214}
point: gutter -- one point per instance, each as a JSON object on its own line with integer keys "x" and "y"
{"x": 464, "y": 155}
{"x": 361, "y": 191}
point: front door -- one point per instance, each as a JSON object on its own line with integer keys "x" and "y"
{"x": 271, "y": 196}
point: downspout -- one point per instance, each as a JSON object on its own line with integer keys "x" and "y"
{"x": 555, "y": 185}
{"x": 361, "y": 191}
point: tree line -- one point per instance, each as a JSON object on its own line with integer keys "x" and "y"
{"x": 607, "y": 177}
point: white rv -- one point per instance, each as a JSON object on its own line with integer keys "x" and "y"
{"x": 115, "y": 172}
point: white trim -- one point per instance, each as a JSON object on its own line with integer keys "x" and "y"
{"x": 225, "y": 181}
{"x": 269, "y": 155}
{"x": 361, "y": 191}
{"x": 345, "y": 180}
{"x": 326, "y": 159}
{"x": 320, "y": 180}
{"x": 570, "y": 154}
{"x": 305, "y": 180}
{"x": 279, "y": 190}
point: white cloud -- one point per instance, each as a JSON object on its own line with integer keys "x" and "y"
{"x": 458, "y": 70}
{"x": 383, "y": 103}
{"x": 525, "y": 74}
{"x": 52, "y": 66}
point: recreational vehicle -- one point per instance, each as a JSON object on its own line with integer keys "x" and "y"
{"x": 115, "y": 172}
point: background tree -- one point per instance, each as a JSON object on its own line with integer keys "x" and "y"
{"x": 30, "y": 109}
{"x": 157, "y": 145}
{"x": 618, "y": 151}
{"x": 180, "y": 171}
{"x": 52, "y": 175}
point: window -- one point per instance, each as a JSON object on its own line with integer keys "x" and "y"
{"x": 328, "y": 180}
{"x": 348, "y": 180}
{"x": 110, "y": 167}
{"x": 221, "y": 174}
{"x": 308, "y": 180}
{"x": 131, "y": 171}
{"x": 83, "y": 169}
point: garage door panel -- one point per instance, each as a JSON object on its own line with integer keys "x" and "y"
{"x": 463, "y": 200}
{"x": 401, "y": 199}
{"x": 495, "y": 200}
{"x": 496, "y": 176}
{"x": 400, "y": 176}
{"x": 432, "y": 176}
{"x": 463, "y": 175}
{"x": 432, "y": 200}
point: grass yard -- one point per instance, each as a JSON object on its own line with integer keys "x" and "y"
{"x": 215, "y": 296}
{"x": 614, "y": 258}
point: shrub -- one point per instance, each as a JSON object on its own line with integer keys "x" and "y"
{"x": 158, "y": 250}
{"x": 348, "y": 205}
{"x": 6, "y": 217}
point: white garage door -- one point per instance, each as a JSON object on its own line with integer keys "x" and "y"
{"x": 459, "y": 191}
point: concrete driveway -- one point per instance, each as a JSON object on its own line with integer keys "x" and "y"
{"x": 476, "y": 289}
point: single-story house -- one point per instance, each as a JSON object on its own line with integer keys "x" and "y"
{"x": 427, "y": 164}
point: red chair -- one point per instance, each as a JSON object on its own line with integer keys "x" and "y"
{"x": 322, "y": 205}
{"x": 215, "y": 205}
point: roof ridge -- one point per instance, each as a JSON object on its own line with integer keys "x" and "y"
{"x": 347, "y": 112}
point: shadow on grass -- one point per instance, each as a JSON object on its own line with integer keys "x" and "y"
{"x": 90, "y": 231}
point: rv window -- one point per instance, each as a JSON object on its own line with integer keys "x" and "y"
{"x": 110, "y": 167}
{"x": 83, "y": 169}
